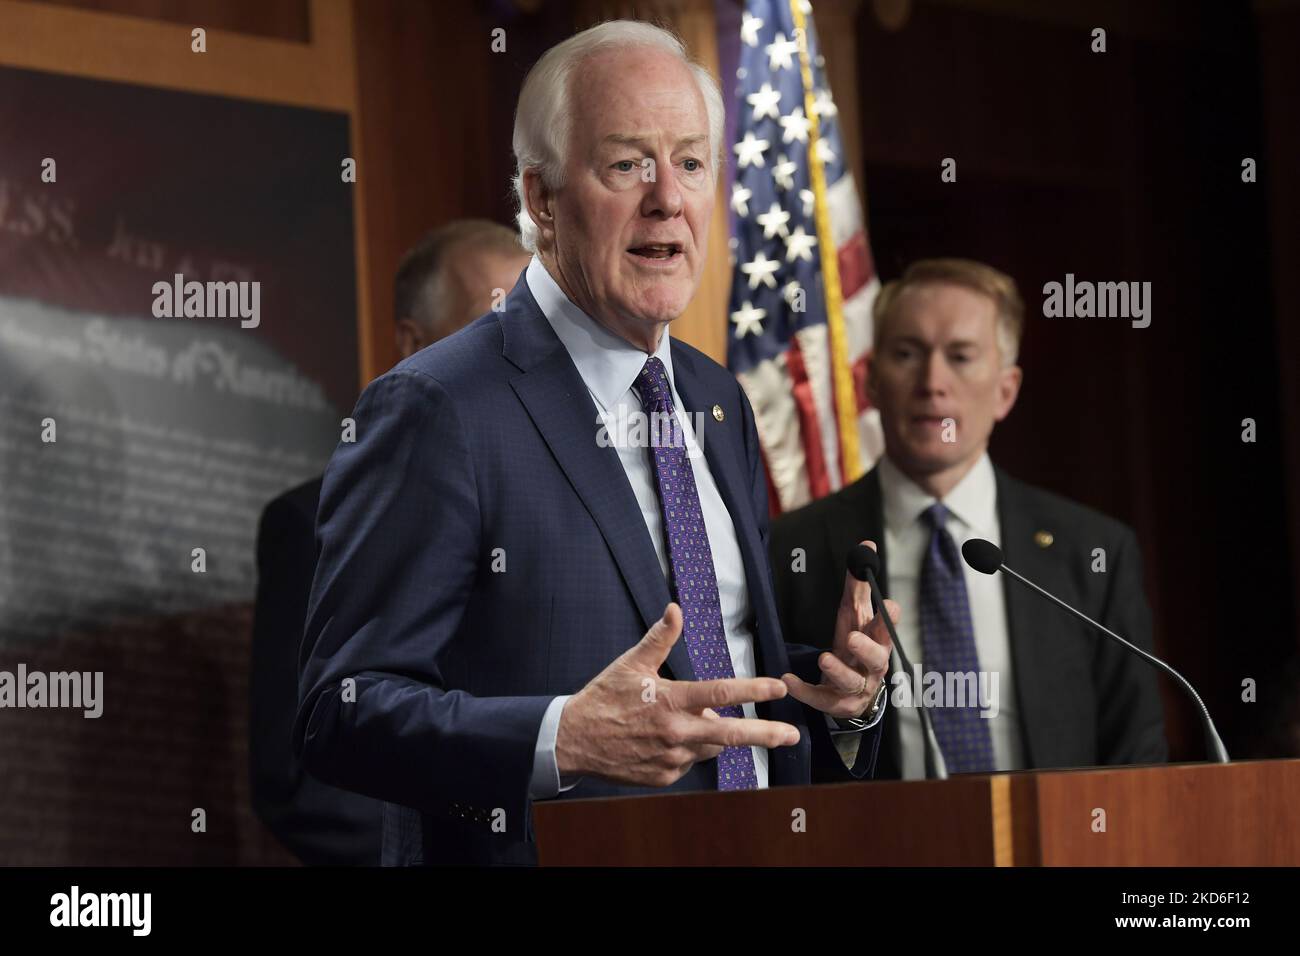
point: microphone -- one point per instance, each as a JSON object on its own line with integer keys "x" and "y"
{"x": 986, "y": 558}
{"x": 864, "y": 563}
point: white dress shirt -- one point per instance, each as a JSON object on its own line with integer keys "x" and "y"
{"x": 609, "y": 365}
{"x": 972, "y": 513}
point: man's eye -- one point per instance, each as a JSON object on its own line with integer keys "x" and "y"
{"x": 625, "y": 166}
{"x": 693, "y": 168}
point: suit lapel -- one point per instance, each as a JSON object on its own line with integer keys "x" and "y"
{"x": 557, "y": 401}
{"x": 1029, "y": 619}
{"x": 721, "y": 442}
{"x": 724, "y": 456}
{"x": 859, "y": 517}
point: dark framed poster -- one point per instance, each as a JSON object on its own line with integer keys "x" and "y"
{"x": 178, "y": 346}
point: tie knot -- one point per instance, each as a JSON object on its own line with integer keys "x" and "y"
{"x": 936, "y": 516}
{"x": 652, "y": 381}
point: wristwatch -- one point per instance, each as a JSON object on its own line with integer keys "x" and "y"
{"x": 861, "y": 723}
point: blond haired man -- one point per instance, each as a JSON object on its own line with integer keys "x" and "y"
{"x": 1014, "y": 682}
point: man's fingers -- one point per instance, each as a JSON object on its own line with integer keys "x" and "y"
{"x": 828, "y": 699}
{"x": 818, "y": 696}
{"x": 696, "y": 695}
{"x": 840, "y": 675}
{"x": 854, "y": 611}
{"x": 864, "y": 652}
{"x": 652, "y": 650}
{"x": 877, "y": 629}
{"x": 740, "y": 732}
{"x": 857, "y": 594}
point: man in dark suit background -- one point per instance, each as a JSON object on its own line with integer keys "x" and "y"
{"x": 453, "y": 275}
{"x": 943, "y": 372}
{"x": 523, "y": 593}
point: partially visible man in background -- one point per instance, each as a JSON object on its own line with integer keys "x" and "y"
{"x": 455, "y": 274}
{"x": 943, "y": 373}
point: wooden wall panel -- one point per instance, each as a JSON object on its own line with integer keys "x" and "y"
{"x": 274, "y": 19}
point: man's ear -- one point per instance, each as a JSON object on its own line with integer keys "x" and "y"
{"x": 410, "y": 337}
{"x": 538, "y": 200}
{"x": 1009, "y": 380}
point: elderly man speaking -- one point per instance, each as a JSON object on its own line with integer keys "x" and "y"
{"x": 510, "y": 604}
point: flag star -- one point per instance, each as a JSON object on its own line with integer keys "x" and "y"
{"x": 779, "y": 52}
{"x": 748, "y": 320}
{"x": 773, "y": 221}
{"x": 750, "y": 150}
{"x": 823, "y": 105}
{"x": 808, "y": 201}
{"x": 764, "y": 102}
{"x": 740, "y": 199}
{"x": 795, "y": 126}
{"x": 790, "y": 290}
{"x": 761, "y": 269}
{"x": 823, "y": 153}
{"x": 783, "y": 172}
{"x": 798, "y": 245}
{"x": 749, "y": 28}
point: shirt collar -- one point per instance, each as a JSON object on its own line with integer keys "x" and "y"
{"x": 974, "y": 501}
{"x": 608, "y": 363}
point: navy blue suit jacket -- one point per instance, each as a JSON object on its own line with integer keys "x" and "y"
{"x": 481, "y": 553}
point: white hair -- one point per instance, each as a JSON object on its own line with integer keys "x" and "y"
{"x": 544, "y": 114}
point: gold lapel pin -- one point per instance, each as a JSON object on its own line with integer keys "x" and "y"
{"x": 718, "y": 413}
{"x": 1043, "y": 539}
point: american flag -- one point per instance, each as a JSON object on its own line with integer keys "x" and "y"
{"x": 800, "y": 321}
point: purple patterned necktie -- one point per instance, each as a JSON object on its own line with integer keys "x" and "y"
{"x": 694, "y": 584}
{"x": 948, "y": 646}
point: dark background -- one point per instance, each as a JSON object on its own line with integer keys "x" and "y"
{"x": 1123, "y": 166}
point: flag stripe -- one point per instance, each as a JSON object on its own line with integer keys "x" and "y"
{"x": 803, "y": 275}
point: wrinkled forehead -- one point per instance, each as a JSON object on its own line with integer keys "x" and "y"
{"x": 622, "y": 95}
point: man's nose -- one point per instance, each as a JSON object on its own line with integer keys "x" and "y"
{"x": 934, "y": 374}
{"x": 663, "y": 197}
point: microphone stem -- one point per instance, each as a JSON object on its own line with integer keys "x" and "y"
{"x": 1213, "y": 743}
{"x": 935, "y": 767}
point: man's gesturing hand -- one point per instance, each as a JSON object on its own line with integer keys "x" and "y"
{"x": 859, "y": 657}
{"x": 631, "y": 726}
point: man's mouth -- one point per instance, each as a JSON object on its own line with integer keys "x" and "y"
{"x": 665, "y": 250}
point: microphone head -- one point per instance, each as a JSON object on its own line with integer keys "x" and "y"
{"x": 984, "y": 556}
{"x": 860, "y": 559}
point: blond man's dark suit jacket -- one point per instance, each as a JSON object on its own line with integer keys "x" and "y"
{"x": 1084, "y": 701}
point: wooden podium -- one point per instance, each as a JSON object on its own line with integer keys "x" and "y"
{"x": 1239, "y": 814}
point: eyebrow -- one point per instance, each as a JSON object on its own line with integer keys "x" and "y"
{"x": 957, "y": 343}
{"x": 641, "y": 139}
